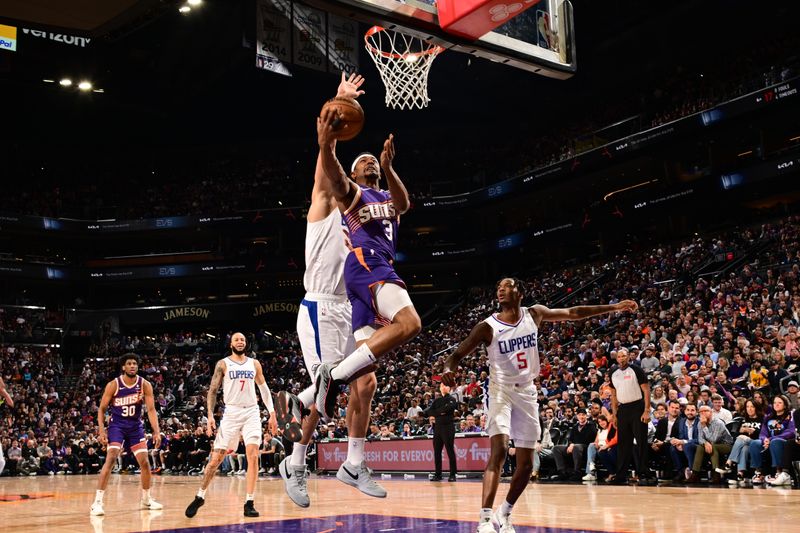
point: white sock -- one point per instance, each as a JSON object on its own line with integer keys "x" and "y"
{"x": 307, "y": 396}
{"x": 146, "y": 495}
{"x": 355, "y": 451}
{"x": 299, "y": 455}
{"x": 250, "y": 497}
{"x": 361, "y": 358}
{"x": 486, "y": 515}
{"x": 201, "y": 493}
{"x": 505, "y": 509}
{"x": 98, "y": 496}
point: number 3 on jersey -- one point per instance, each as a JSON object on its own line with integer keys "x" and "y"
{"x": 387, "y": 228}
{"x": 522, "y": 360}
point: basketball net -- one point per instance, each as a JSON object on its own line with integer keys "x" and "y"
{"x": 404, "y": 62}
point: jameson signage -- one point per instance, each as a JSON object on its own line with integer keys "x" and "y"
{"x": 186, "y": 312}
{"x": 278, "y": 312}
{"x": 275, "y": 307}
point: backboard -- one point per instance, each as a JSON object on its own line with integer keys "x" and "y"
{"x": 540, "y": 40}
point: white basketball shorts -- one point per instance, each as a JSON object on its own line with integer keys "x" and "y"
{"x": 513, "y": 410}
{"x": 236, "y": 422}
{"x": 324, "y": 328}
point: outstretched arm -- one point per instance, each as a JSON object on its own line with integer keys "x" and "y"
{"x": 400, "y": 198}
{"x": 266, "y": 397}
{"x": 481, "y": 333}
{"x": 339, "y": 184}
{"x": 541, "y": 313}
{"x": 152, "y": 416}
{"x": 321, "y": 195}
{"x": 4, "y": 393}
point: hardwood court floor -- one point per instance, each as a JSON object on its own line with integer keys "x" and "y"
{"x": 62, "y": 504}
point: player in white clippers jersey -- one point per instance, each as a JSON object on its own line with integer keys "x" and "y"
{"x": 239, "y": 376}
{"x": 324, "y": 323}
{"x": 511, "y": 339}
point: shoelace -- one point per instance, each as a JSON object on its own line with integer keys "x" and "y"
{"x": 301, "y": 478}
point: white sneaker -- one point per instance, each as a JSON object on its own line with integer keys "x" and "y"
{"x": 486, "y": 527}
{"x": 151, "y": 505}
{"x": 360, "y": 477}
{"x": 504, "y": 522}
{"x": 780, "y": 480}
{"x": 589, "y": 477}
{"x": 97, "y": 509}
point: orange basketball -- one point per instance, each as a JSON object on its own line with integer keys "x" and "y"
{"x": 351, "y": 117}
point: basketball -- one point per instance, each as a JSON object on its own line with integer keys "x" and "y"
{"x": 351, "y": 117}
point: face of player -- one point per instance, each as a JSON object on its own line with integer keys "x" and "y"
{"x": 367, "y": 172}
{"x": 131, "y": 368}
{"x": 508, "y": 293}
{"x": 238, "y": 344}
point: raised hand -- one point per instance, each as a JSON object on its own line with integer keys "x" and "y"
{"x": 627, "y": 305}
{"x": 387, "y": 154}
{"x": 325, "y": 133}
{"x": 349, "y": 87}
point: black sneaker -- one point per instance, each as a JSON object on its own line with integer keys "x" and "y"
{"x": 196, "y": 504}
{"x": 288, "y": 412}
{"x": 436, "y": 477}
{"x": 451, "y": 478}
{"x": 327, "y": 391}
{"x": 249, "y": 509}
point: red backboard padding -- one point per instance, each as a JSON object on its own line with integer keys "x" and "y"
{"x": 472, "y": 19}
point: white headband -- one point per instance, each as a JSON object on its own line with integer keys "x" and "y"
{"x": 359, "y": 158}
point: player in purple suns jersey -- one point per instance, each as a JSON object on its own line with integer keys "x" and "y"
{"x": 511, "y": 338}
{"x": 383, "y": 315}
{"x": 126, "y": 397}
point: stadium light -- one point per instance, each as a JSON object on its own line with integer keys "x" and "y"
{"x": 65, "y": 82}
{"x": 48, "y": 81}
{"x": 184, "y": 9}
{"x": 85, "y": 86}
{"x": 194, "y": 2}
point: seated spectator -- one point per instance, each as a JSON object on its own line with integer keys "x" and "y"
{"x": 718, "y": 410}
{"x": 684, "y": 446}
{"x": 69, "y": 464}
{"x": 749, "y": 430}
{"x": 791, "y": 456}
{"x": 92, "y": 461}
{"x": 714, "y": 439}
{"x": 603, "y": 447}
{"x": 666, "y": 429}
{"x": 776, "y": 430}
{"x": 579, "y": 438}
{"x": 470, "y": 426}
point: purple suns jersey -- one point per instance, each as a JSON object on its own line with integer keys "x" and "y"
{"x": 128, "y": 401}
{"x": 373, "y": 222}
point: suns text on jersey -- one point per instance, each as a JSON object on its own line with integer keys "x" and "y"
{"x": 379, "y": 211}
{"x": 517, "y": 343}
{"x": 241, "y": 374}
{"x": 126, "y": 400}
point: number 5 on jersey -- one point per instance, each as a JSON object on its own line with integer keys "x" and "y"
{"x": 522, "y": 360}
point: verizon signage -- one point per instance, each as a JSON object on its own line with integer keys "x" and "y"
{"x": 58, "y": 37}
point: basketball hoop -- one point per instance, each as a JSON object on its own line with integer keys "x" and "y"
{"x": 403, "y": 62}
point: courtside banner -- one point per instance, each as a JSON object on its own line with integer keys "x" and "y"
{"x": 8, "y": 38}
{"x": 411, "y": 455}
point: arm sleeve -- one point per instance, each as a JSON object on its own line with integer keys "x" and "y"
{"x": 266, "y": 397}
{"x": 611, "y": 375}
{"x": 788, "y": 431}
{"x": 764, "y": 429}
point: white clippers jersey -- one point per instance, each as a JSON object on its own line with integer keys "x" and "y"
{"x": 239, "y": 384}
{"x": 325, "y": 255}
{"x": 513, "y": 352}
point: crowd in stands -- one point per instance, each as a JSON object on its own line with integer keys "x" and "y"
{"x": 29, "y": 324}
{"x": 225, "y": 181}
{"x": 722, "y": 345}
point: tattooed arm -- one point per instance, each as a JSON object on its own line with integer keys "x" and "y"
{"x": 211, "y": 400}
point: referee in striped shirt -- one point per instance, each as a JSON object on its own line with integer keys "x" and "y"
{"x": 630, "y": 405}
